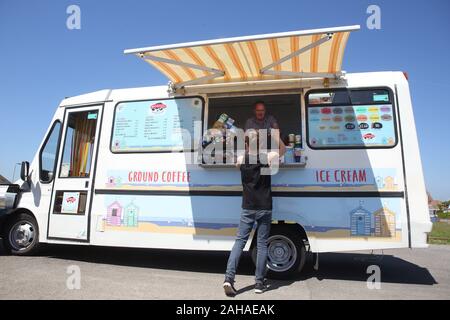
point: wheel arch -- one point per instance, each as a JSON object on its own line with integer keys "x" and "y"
{"x": 291, "y": 225}
{"x": 13, "y": 214}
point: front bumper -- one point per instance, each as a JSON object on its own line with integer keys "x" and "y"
{"x": 2, "y": 224}
{"x": 8, "y": 197}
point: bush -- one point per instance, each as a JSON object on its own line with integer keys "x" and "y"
{"x": 443, "y": 215}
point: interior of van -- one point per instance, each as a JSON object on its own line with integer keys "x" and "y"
{"x": 284, "y": 107}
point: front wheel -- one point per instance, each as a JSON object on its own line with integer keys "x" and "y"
{"x": 21, "y": 236}
{"x": 286, "y": 252}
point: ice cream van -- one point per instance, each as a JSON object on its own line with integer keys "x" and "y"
{"x": 115, "y": 169}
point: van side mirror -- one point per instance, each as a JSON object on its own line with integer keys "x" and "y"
{"x": 25, "y": 171}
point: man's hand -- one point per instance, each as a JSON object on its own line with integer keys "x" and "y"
{"x": 239, "y": 161}
{"x": 273, "y": 157}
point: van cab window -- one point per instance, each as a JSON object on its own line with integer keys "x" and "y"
{"x": 350, "y": 118}
{"x": 47, "y": 156}
{"x": 78, "y": 144}
{"x": 156, "y": 125}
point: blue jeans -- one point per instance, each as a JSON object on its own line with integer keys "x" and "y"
{"x": 263, "y": 218}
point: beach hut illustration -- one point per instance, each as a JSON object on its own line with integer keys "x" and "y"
{"x": 130, "y": 217}
{"x": 360, "y": 221}
{"x": 380, "y": 182}
{"x": 111, "y": 182}
{"x": 389, "y": 183}
{"x": 384, "y": 222}
{"x": 114, "y": 214}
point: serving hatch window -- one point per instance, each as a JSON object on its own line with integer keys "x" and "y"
{"x": 350, "y": 118}
{"x": 156, "y": 125}
{"x": 229, "y": 114}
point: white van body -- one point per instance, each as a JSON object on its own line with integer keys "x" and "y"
{"x": 202, "y": 212}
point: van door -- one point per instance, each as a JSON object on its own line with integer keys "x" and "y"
{"x": 71, "y": 197}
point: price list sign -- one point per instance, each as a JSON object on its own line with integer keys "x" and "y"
{"x": 163, "y": 125}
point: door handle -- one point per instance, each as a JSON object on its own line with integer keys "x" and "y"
{"x": 86, "y": 184}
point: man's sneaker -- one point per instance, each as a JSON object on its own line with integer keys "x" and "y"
{"x": 260, "y": 287}
{"x": 229, "y": 289}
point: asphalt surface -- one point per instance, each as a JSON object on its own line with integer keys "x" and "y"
{"x": 117, "y": 273}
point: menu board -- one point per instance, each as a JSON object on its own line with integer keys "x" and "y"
{"x": 163, "y": 125}
{"x": 351, "y": 126}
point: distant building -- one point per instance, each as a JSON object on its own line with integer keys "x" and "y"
{"x": 3, "y": 180}
{"x": 433, "y": 205}
{"x": 433, "y": 208}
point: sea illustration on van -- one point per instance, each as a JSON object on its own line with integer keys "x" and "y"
{"x": 124, "y": 213}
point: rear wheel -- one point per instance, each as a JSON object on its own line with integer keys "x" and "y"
{"x": 286, "y": 252}
{"x": 21, "y": 236}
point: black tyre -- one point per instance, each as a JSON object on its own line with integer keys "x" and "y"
{"x": 286, "y": 252}
{"x": 21, "y": 235}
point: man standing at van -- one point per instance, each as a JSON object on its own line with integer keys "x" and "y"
{"x": 256, "y": 207}
{"x": 261, "y": 120}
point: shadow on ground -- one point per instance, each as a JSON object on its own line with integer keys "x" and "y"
{"x": 335, "y": 266}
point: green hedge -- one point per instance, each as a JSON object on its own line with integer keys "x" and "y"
{"x": 440, "y": 233}
{"x": 443, "y": 215}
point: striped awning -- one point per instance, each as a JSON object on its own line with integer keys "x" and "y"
{"x": 298, "y": 54}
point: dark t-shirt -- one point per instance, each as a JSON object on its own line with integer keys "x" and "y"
{"x": 257, "y": 193}
{"x": 268, "y": 123}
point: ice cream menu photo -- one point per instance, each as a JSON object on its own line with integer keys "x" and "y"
{"x": 351, "y": 126}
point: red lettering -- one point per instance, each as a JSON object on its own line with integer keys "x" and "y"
{"x": 336, "y": 175}
{"x": 362, "y": 175}
{"x": 355, "y": 176}
{"x": 322, "y": 176}
{"x": 154, "y": 176}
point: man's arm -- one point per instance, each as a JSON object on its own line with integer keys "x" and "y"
{"x": 273, "y": 123}
{"x": 274, "y": 155}
{"x": 239, "y": 161}
{"x": 247, "y": 125}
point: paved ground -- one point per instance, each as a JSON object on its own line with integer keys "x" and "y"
{"x": 113, "y": 273}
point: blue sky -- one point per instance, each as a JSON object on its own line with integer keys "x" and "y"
{"x": 41, "y": 61}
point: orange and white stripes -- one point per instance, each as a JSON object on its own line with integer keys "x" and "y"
{"x": 243, "y": 60}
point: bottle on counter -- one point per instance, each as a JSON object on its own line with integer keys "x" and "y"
{"x": 289, "y": 155}
{"x": 298, "y": 148}
{"x": 291, "y": 140}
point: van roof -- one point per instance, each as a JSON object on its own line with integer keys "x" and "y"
{"x": 361, "y": 79}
